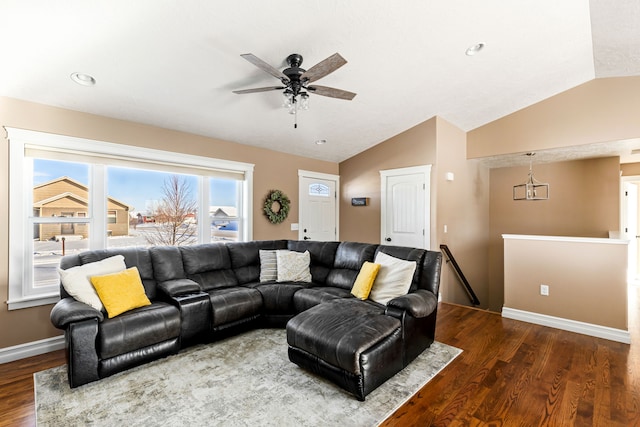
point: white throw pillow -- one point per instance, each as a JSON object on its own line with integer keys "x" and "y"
{"x": 77, "y": 280}
{"x": 393, "y": 279}
{"x": 293, "y": 266}
{"x": 268, "y": 266}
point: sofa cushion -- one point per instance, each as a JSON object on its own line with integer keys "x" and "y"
{"x": 304, "y": 299}
{"x": 205, "y": 257}
{"x": 77, "y": 280}
{"x": 409, "y": 254}
{"x": 293, "y": 266}
{"x": 231, "y": 304}
{"x": 364, "y": 282}
{"x": 322, "y": 257}
{"x": 394, "y": 278}
{"x": 167, "y": 263}
{"x": 209, "y": 265}
{"x": 349, "y": 259}
{"x": 120, "y": 292}
{"x": 138, "y": 328}
{"x": 268, "y": 265}
{"x": 277, "y": 298}
{"x": 339, "y": 331}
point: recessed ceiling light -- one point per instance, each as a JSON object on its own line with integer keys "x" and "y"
{"x": 83, "y": 79}
{"x": 472, "y": 50}
{"x": 321, "y": 141}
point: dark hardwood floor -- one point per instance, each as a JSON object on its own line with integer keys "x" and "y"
{"x": 510, "y": 374}
{"x": 513, "y": 373}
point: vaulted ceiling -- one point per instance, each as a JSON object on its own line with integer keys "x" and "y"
{"x": 175, "y": 64}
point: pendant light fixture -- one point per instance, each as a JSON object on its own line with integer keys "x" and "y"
{"x": 532, "y": 189}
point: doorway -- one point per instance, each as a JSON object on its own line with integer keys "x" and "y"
{"x": 318, "y": 206}
{"x": 630, "y": 212}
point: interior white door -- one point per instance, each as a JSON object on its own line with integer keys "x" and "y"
{"x": 405, "y": 207}
{"x": 630, "y": 229}
{"x": 318, "y": 214}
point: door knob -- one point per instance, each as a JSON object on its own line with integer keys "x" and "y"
{"x": 306, "y": 238}
{"x": 388, "y": 239}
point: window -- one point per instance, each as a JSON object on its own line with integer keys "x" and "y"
{"x": 318, "y": 189}
{"x": 70, "y": 195}
{"x": 223, "y": 213}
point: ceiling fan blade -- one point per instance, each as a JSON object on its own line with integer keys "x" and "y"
{"x": 323, "y": 68}
{"x": 331, "y": 92}
{"x": 258, "y": 89}
{"x": 264, "y": 66}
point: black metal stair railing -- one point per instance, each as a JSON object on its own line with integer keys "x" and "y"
{"x": 467, "y": 287}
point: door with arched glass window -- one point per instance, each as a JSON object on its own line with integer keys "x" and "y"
{"x": 318, "y": 208}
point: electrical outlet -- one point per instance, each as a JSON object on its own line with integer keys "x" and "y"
{"x": 544, "y": 290}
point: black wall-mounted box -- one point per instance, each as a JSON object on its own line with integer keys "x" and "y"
{"x": 360, "y": 201}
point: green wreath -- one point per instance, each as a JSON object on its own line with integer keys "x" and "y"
{"x": 279, "y": 215}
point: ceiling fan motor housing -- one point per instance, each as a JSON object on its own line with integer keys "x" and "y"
{"x": 294, "y": 72}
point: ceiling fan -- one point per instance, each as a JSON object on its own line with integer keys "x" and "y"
{"x": 296, "y": 81}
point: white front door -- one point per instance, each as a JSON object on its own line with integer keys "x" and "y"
{"x": 405, "y": 207}
{"x": 318, "y": 207}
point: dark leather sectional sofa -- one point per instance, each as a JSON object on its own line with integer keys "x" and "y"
{"x": 205, "y": 292}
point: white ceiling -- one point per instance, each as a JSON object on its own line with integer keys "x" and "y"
{"x": 174, "y": 64}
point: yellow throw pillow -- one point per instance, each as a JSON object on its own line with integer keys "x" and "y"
{"x": 120, "y": 292}
{"x": 364, "y": 281}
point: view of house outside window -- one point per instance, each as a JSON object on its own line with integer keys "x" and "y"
{"x": 143, "y": 208}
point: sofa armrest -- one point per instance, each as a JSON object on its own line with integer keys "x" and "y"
{"x": 420, "y": 303}
{"x": 69, "y": 310}
{"x": 176, "y": 287}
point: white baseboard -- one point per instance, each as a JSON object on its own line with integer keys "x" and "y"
{"x": 590, "y": 329}
{"x": 34, "y": 348}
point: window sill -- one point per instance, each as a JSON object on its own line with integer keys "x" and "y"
{"x": 34, "y": 301}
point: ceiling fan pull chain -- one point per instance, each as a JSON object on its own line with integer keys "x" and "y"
{"x": 295, "y": 117}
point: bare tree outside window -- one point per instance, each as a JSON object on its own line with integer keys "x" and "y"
{"x": 175, "y": 216}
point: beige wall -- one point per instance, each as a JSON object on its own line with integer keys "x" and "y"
{"x": 584, "y": 202}
{"x": 360, "y": 177}
{"x": 587, "y": 280}
{"x": 461, "y": 204}
{"x": 601, "y": 110}
{"x": 598, "y": 111}
{"x": 630, "y": 169}
{"x": 273, "y": 170}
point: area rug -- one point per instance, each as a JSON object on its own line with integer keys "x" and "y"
{"x": 246, "y": 380}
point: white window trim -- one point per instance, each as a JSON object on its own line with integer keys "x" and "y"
{"x": 22, "y": 294}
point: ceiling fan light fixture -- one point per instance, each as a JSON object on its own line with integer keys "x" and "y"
{"x": 474, "y": 49}
{"x": 287, "y": 99}
{"x": 304, "y": 101}
{"x": 296, "y": 80}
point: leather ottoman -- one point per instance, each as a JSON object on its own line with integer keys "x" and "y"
{"x": 351, "y": 343}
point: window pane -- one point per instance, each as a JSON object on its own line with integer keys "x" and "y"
{"x": 224, "y": 197}
{"x": 147, "y": 207}
{"x": 60, "y": 190}
{"x": 317, "y": 189}
{"x": 67, "y": 239}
